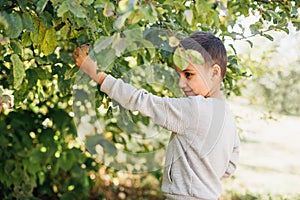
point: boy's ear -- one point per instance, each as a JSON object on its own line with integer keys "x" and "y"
{"x": 216, "y": 71}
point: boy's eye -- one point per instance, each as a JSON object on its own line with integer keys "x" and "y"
{"x": 187, "y": 74}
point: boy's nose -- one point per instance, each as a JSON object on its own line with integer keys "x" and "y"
{"x": 182, "y": 82}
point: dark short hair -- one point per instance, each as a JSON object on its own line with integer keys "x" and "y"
{"x": 211, "y": 48}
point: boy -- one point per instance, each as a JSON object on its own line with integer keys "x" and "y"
{"x": 204, "y": 145}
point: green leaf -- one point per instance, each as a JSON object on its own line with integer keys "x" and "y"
{"x": 180, "y": 58}
{"x": 135, "y": 34}
{"x": 126, "y": 5}
{"x": 18, "y": 70}
{"x": 27, "y": 22}
{"x": 60, "y": 118}
{"x": 195, "y": 56}
{"x": 274, "y": 14}
{"x": 119, "y": 44}
{"x": 22, "y": 5}
{"x": 183, "y": 57}
{"x": 136, "y": 16}
{"x": 76, "y": 9}
{"x": 34, "y": 167}
{"x": 38, "y": 35}
{"x": 278, "y": 27}
{"x": 33, "y": 77}
{"x": 47, "y": 19}
{"x": 16, "y": 47}
{"x": 70, "y": 73}
{"x": 63, "y": 8}
{"x": 42, "y": 74}
{"x": 173, "y": 41}
{"x": 108, "y": 147}
{"x": 49, "y": 43}
{"x": 232, "y": 47}
{"x": 15, "y": 25}
{"x": 64, "y": 31}
{"x": 119, "y": 23}
{"x": 64, "y": 85}
{"x": 102, "y": 43}
{"x": 68, "y": 195}
{"x": 3, "y": 22}
{"x": 26, "y": 40}
{"x": 106, "y": 57}
{"x": 88, "y": 2}
{"x": 93, "y": 141}
{"x": 256, "y": 27}
{"x": 251, "y": 43}
{"x": 35, "y": 156}
{"x": 216, "y": 19}
{"x": 42, "y": 178}
{"x": 151, "y": 14}
{"x": 268, "y": 36}
{"x": 232, "y": 59}
{"x": 9, "y": 166}
{"x": 66, "y": 161}
{"x": 109, "y": 9}
{"x": 149, "y": 46}
{"x": 40, "y": 6}
{"x": 100, "y": 3}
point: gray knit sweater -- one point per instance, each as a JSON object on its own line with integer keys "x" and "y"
{"x": 204, "y": 146}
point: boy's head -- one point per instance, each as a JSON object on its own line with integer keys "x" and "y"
{"x": 203, "y": 78}
{"x": 211, "y": 48}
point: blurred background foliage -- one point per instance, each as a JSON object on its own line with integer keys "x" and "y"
{"x": 275, "y": 68}
{"x": 41, "y": 155}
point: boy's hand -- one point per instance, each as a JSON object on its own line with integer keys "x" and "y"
{"x": 83, "y": 60}
{"x": 87, "y": 65}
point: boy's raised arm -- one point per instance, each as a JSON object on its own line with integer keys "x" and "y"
{"x": 178, "y": 115}
{"x": 173, "y": 114}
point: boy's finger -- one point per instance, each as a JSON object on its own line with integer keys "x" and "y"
{"x": 78, "y": 50}
{"x": 86, "y": 49}
{"x": 74, "y": 55}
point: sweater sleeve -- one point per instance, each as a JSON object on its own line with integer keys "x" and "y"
{"x": 174, "y": 114}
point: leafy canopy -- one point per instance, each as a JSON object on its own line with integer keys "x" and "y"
{"x": 37, "y": 39}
